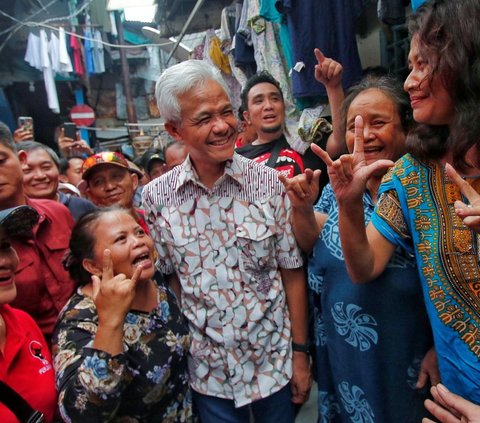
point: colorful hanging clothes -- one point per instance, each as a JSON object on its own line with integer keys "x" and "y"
{"x": 76, "y": 47}
{"x": 219, "y": 59}
{"x": 416, "y": 210}
{"x": 88, "y": 47}
{"x": 267, "y": 54}
{"x": 328, "y": 25}
{"x": 271, "y": 14}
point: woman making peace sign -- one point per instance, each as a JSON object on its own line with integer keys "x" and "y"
{"x": 420, "y": 207}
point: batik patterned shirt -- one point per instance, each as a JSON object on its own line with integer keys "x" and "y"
{"x": 227, "y": 245}
{"x": 148, "y": 382}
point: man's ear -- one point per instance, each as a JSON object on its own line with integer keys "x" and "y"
{"x": 246, "y": 116}
{"x": 22, "y": 156}
{"x": 87, "y": 193}
{"x": 63, "y": 178}
{"x": 134, "y": 180}
{"x": 90, "y": 266}
{"x": 173, "y": 130}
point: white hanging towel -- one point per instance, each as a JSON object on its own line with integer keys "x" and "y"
{"x": 54, "y": 51}
{"x": 37, "y": 56}
{"x": 46, "y": 67}
{"x": 64, "y": 58}
{"x": 32, "y": 55}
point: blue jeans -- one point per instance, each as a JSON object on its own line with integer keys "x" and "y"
{"x": 277, "y": 408}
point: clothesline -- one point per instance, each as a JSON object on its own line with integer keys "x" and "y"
{"x": 83, "y": 37}
{"x": 107, "y": 43}
{"x": 68, "y": 24}
{"x": 13, "y": 29}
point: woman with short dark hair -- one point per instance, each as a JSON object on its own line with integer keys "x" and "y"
{"x": 120, "y": 345}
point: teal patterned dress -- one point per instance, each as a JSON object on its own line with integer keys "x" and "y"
{"x": 416, "y": 210}
{"x": 148, "y": 382}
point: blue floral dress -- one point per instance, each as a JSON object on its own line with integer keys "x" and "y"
{"x": 148, "y": 382}
{"x": 369, "y": 339}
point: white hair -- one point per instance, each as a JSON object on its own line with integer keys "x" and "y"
{"x": 179, "y": 79}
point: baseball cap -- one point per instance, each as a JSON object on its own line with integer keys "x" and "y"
{"x": 149, "y": 156}
{"x": 18, "y": 220}
{"x": 103, "y": 158}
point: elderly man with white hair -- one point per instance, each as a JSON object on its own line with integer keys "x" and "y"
{"x": 221, "y": 227}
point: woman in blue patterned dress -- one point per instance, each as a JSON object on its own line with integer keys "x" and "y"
{"x": 421, "y": 208}
{"x": 120, "y": 345}
{"x": 370, "y": 340}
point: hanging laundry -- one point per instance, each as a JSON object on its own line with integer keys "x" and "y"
{"x": 88, "y": 47}
{"x": 32, "y": 55}
{"x": 76, "y": 46}
{"x": 270, "y": 13}
{"x": 37, "y": 56}
{"x": 59, "y": 57}
{"x": 267, "y": 51}
{"x": 97, "y": 52}
{"x": 48, "y": 74}
{"x": 54, "y": 49}
{"x": 218, "y": 57}
{"x": 328, "y": 25}
{"x": 64, "y": 58}
{"x": 227, "y": 36}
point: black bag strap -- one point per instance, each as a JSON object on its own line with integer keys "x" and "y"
{"x": 21, "y": 408}
{"x": 274, "y": 153}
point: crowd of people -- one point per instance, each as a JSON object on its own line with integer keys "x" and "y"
{"x": 214, "y": 279}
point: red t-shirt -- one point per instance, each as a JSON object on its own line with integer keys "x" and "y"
{"x": 25, "y": 365}
{"x": 43, "y": 285}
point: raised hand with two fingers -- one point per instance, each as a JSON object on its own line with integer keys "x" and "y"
{"x": 350, "y": 172}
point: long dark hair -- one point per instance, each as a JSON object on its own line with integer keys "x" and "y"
{"x": 82, "y": 244}
{"x": 448, "y": 33}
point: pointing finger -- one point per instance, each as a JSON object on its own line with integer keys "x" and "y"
{"x": 320, "y": 152}
{"x": 95, "y": 286}
{"x": 465, "y": 188}
{"x": 319, "y": 55}
{"x": 358, "y": 139}
{"x": 107, "y": 271}
{"x": 136, "y": 274}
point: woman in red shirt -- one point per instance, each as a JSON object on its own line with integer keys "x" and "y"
{"x": 25, "y": 360}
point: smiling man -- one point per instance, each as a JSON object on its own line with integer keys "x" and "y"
{"x": 111, "y": 181}
{"x": 220, "y": 225}
{"x": 264, "y": 111}
{"x": 43, "y": 285}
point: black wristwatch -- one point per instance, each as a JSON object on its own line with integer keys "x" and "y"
{"x": 300, "y": 348}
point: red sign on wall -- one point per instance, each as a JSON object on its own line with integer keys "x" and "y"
{"x": 82, "y": 115}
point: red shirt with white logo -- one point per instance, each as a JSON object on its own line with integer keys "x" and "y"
{"x": 25, "y": 364}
